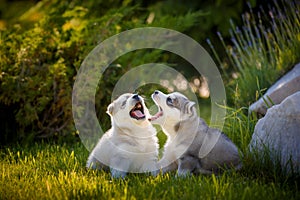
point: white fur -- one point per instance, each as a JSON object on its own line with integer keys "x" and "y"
{"x": 192, "y": 147}
{"x": 130, "y": 145}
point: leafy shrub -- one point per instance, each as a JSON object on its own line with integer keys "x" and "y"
{"x": 37, "y": 69}
{"x": 38, "y": 65}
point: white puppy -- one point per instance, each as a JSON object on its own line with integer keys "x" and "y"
{"x": 131, "y": 143}
{"x": 192, "y": 147}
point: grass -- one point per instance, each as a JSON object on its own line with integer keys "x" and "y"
{"x": 57, "y": 171}
{"x": 265, "y": 47}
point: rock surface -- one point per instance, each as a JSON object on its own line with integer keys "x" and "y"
{"x": 284, "y": 87}
{"x": 279, "y": 131}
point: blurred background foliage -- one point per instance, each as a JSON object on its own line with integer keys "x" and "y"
{"x": 43, "y": 43}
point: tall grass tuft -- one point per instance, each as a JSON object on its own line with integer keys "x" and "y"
{"x": 263, "y": 49}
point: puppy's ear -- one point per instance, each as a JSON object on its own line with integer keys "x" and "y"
{"x": 189, "y": 107}
{"x": 110, "y": 109}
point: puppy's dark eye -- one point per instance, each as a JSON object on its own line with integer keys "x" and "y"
{"x": 169, "y": 101}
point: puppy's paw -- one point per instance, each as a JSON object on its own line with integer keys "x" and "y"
{"x": 117, "y": 174}
{"x": 183, "y": 173}
{"x": 155, "y": 173}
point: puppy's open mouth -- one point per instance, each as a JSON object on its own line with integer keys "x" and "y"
{"x": 157, "y": 115}
{"x": 137, "y": 112}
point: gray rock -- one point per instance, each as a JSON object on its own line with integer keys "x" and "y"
{"x": 279, "y": 132}
{"x": 284, "y": 87}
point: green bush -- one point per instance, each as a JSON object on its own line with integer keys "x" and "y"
{"x": 37, "y": 69}
{"x": 38, "y": 65}
{"x": 39, "y": 61}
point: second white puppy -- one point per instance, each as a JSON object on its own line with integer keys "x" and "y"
{"x": 131, "y": 143}
{"x": 192, "y": 146}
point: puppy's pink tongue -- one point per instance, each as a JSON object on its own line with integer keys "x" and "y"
{"x": 138, "y": 113}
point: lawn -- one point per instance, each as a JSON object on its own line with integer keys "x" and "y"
{"x": 57, "y": 171}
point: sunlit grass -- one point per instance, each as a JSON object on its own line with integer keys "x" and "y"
{"x": 51, "y": 171}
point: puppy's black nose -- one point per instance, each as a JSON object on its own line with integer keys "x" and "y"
{"x": 136, "y": 97}
{"x": 156, "y": 92}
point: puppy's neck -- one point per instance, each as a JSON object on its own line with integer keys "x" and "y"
{"x": 172, "y": 129}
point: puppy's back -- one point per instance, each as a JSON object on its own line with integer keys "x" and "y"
{"x": 224, "y": 154}
{"x": 213, "y": 156}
